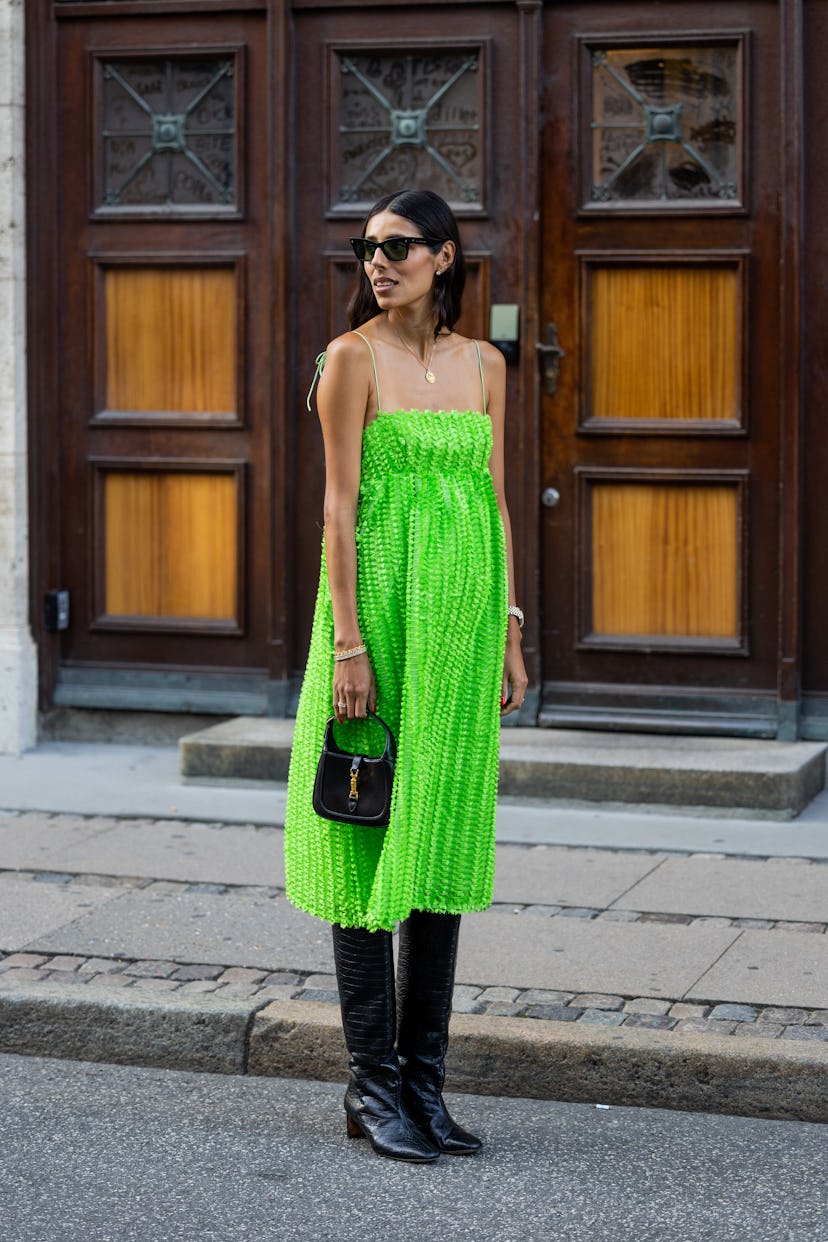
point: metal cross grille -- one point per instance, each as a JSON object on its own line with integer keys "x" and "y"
{"x": 408, "y": 108}
{"x": 649, "y": 146}
{"x": 169, "y": 133}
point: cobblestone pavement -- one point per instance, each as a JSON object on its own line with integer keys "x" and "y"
{"x": 589, "y": 1007}
{"x": 716, "y": 1016}
{"x": 720, "y": 1018}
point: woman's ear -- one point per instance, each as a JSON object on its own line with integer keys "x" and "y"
{"x": 446, "y": 256}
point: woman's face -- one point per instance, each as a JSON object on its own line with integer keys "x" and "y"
{"x": 401, "y": 284}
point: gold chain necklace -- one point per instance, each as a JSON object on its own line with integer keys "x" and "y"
{"x": 431, "y": 378}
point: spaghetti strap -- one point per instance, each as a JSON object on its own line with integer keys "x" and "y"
{"x": 482, "y": 381}
{"x": 373, "y": 364}
{"x": 320, "y": 367}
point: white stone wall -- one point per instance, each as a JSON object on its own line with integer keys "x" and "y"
{"x": 18, "y": 660}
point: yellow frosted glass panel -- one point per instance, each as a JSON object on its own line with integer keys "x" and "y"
{"x": 170, "y": 339}
{"x": 664, "y": 342}
{"x": 665, "y": 560}
{"x": 170, "y": 545}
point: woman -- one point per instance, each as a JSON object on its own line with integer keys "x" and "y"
{"x": 415, "y": 618}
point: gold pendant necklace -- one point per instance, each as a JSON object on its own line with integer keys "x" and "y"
{"x": 431, "y": 378}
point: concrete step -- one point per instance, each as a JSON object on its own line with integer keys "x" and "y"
{"x": 776, "y": 779}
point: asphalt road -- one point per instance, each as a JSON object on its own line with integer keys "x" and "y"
{"x": 100, "y": 1153}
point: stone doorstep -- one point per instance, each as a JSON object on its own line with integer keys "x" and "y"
{"x": 775, "y": 778}
{"x": 496, "y": 1056}
{"x": 246, "y": 748}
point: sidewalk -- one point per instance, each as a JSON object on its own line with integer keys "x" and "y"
{"x": 629, "y": 958}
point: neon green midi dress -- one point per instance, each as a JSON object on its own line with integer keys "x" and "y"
{"x": 432, "y": 596}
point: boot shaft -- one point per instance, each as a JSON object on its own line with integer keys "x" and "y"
{"x": 425, "y": 981}
{"x": 365, "y": 976}
{"x": 425, "y": 987}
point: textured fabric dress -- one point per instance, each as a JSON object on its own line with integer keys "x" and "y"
{"x": 432, "y": 595}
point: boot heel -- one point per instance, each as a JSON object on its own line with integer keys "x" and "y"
{"x": 353, "y": 1129}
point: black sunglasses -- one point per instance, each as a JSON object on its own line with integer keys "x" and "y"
{"x": 395, "y": 249}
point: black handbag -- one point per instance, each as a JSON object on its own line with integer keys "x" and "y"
{"x": 354, "y": 789}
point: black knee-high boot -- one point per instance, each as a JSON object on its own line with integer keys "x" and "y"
{"x": 373, "y": 1105}
{"x": 425, "y": 983}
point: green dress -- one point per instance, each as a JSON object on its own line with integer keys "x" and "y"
{"x": 432, "y": 596}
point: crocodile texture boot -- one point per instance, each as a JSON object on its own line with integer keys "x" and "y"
{"x": 425, "y": 983}
{"x": 373, "y": 1103}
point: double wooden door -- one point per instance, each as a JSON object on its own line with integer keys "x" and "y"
{"x": 616, "y": 177}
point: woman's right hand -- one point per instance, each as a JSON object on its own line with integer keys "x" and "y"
{"x": 354, "y": 689}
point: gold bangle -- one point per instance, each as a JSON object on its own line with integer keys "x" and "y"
{"x": 351, "y": 652}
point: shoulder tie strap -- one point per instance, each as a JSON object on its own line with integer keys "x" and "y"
{"x": 482, "y": 381}
{"x": 320, "y": 367}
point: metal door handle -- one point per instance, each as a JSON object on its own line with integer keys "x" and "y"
{"x": 550, "y": 496}
{"x": 551, "y": 354}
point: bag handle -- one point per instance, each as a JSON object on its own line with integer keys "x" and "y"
{"x": 390, "y": 751}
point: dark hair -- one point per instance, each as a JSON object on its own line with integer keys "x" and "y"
{"x": 432, "y": 217}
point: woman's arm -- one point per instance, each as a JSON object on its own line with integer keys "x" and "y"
{"x": 515, "y": 680}
{"x": 342, "y": 399}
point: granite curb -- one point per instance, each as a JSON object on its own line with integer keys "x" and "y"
{"x": 752, "y": 1077}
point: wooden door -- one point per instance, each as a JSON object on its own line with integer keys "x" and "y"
{"x": 660, "y": 419}
{"x": 397, "y": 96}
{"x": 168, "y": 419}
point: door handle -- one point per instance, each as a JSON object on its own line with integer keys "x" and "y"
{"x": 550, "y": 497}
{"x": 551, "y": 354}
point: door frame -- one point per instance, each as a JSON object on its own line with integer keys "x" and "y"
{"x": 791, "y": 362}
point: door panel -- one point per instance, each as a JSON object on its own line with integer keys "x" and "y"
{"x": 660, "y": 559}
{"x": 400, "y": 108}
{"x": 167, "y": 405}
{"x": 170, "y": 342}
{"x": 170, "y": 548}
{"x": 674, "y": 331}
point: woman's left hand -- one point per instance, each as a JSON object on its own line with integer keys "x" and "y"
{"x": 515, "y": 680}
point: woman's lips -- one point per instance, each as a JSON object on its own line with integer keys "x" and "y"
{"x": 381, "y": 286}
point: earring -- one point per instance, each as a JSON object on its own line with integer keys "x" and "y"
{"x": 439, "y": 272}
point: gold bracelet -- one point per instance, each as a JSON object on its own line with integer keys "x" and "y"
{"x": 351, "y": 652}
